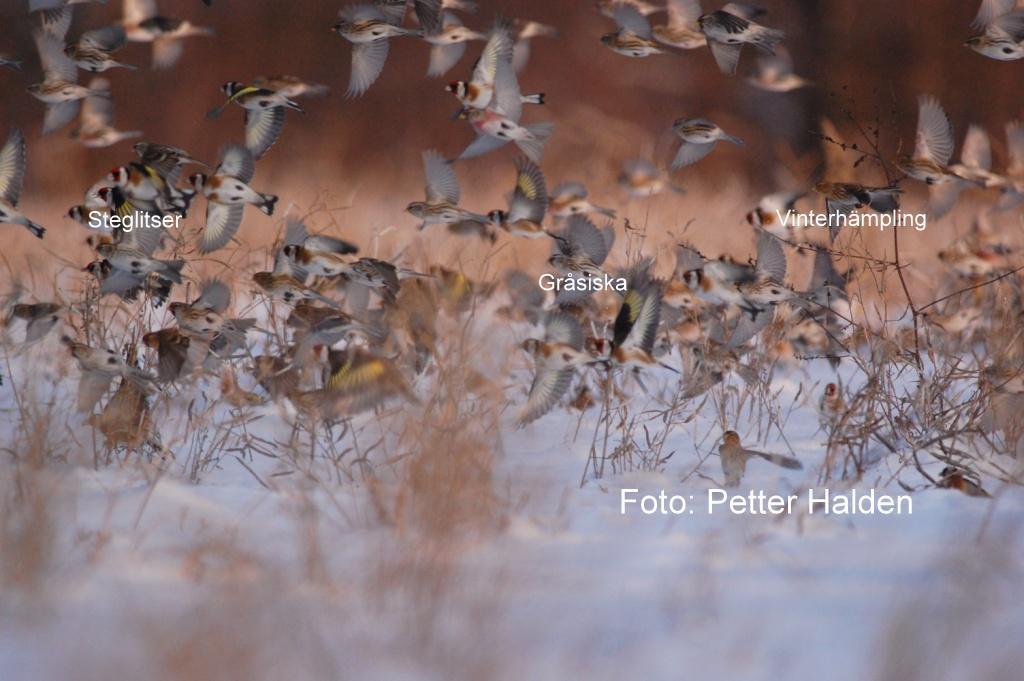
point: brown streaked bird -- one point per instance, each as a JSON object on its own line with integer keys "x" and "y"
{"x": 279, "y": 376}
{"x": 142, "y": 24}
{"x": 728, "y": 29}
{"x": 289, "y": 289}
{"x": 734, "y": 458}
{"x": 39, "y": 318}
{"x": 633, "y": 36}
{"x": 699, "y": 136}
{"x": 681, "y": 30}
{"x": 956, "y": 478}
{"x": 125, "y": 420}
{"x": 842, "y": 198}
{"x": 933, "y": 147}
{"x": 641, "y": 179}
{"x": 570, "y": 198}
{"x": 441, "y": 206}
{"x": 233, "y": 394}
{"x": 177, "y": 353}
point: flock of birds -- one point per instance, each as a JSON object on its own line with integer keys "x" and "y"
{"x": 361, "y": 327}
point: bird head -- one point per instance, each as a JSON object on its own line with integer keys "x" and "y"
{"x": 830, "y": 390}
{"x": 231, "y": 87}
{"x": 197, "y": 180}
{"x": 292, "y": 250}
{"x": 458, "y": 88}
{"x": 497, "y": 217}
{"x": 531, "y": 346}
{"x": 416, "y": 208}
{"x": 118, "y": 176}
{"x": 694, "y": 279}
{"x": 731, "y": 437}
{"x": 600, "y": 348}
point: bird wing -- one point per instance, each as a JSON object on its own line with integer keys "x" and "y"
{"x": 977, "y": 150}
{"x": 688, "y": 258}
{"x": 637, "y": 321}
{"x": 97, "y": 112}
{"x": 137, "y": 11}
{"x": 60, "y": 114}
{"x": 508, "y": 99}
{"x": 771, "y": 259}
{"x": 628, "y": 18}
{"x": 108, "y": 38}
{"x": 547, "y": 389}
{"x": 55, "y": 20}
{"x": 743, "y": 10}
{"x": 934, "y": 132}
{"x": 824, "y": 272}
{"x": 237, "y": 161}
{"x": 56, "y": 64}
{"x": 727, "y": 56}
{"x": 569, "y": 190}
{"x": 120, "y": 282}
{"x": 12, "y": 167}
{"x": 91, "y": 388}
{"x": 215, "y": 296}
{"x": 562, "y": 327}
{"x": 262, "y": 128}
{"x": 166, "y": 52}
{"x": 367, "y": 63}
{"x": 145, "y": 241}
{"x": 583, "y": 237}
{"x": 1015, "y": 146}
{"x": 689, "y": 153}
{"x": 530, "y": 198}
{"x": 683, "y": 13}
{"x": 444, "y": 57}
{"x": 989, "y": 10}
{"x": 483, "y": 144}
{"x": 498, "y": 48}
{"x": 442, "y": 185}
{"x": 222, "y": 223}
{"x": 321, "y": 242}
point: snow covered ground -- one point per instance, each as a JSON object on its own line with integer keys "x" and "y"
{"x": 276, "y": 569}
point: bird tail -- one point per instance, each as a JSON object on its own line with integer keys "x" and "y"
{"x": 172, "y": 270}
{"x": 768, "y": 38}
{"x": 269, "y": 201}
{"x": 735, "y": 140}
{"x": 607, "y": 212}
{"x": 780, "y": 460}
{"x": 884, "y": 200}
{"x": 36, "y": 229}
{"x": 533, "y": 147}
{"x": 291, "y": 104}
{"x": 536, "y": 98}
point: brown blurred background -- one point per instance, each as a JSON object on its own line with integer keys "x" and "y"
{"x": 871, "y": 55}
